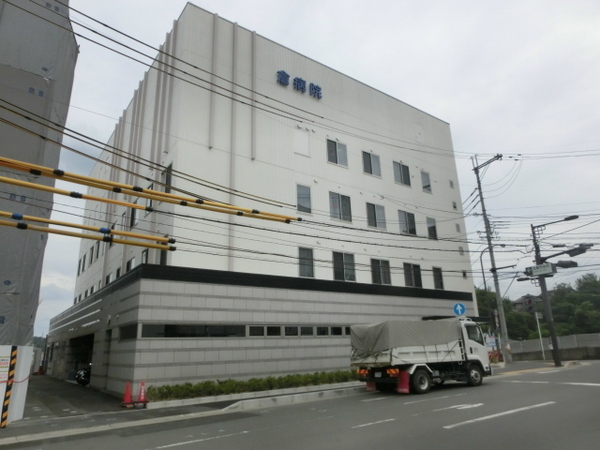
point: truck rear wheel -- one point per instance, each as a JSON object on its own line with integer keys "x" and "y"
{"x": 421, "y": 381}
{"x": 474, "y": 375}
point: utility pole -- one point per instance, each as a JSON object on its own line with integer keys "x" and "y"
{"x": 488, "y": 232}
{"x": 546, "y": 300}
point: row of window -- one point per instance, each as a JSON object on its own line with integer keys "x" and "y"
{"x": 131, "y": 264}
{"x": 340, "y": 209}
{"x": 337, "y": 154}
{"x": 220, "y": 331}
{"x": 344, "y": 269}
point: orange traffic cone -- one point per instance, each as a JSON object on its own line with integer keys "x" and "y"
{"x": 127, "y": 400}
{"x": 142, "y": 394}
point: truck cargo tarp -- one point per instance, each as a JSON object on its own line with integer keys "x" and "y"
{"x": 374, "y": 338}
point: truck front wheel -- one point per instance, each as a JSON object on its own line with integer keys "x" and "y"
{"x": 421, "y": 381}
{"x": 474, "y": 375}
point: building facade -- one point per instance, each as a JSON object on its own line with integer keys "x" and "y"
{"x": 37, "y": 63}
{"x": 227, "y": 115}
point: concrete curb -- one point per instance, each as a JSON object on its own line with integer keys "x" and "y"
{"x": 251, "y": 395}
{"x": 258, "y": 403}
{"x": 336, "y": 390}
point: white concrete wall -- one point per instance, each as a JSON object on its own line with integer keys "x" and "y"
{"x": 211, "y": 137}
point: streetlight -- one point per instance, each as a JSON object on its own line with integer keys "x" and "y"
{"x": 481, "y": 261}
{"x": 536, "y": 231}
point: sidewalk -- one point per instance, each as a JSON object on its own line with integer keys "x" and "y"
{"x": 56, "y": 408}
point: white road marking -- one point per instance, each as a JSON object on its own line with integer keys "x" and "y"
{"x": 432, "y": 399}
{"x": 177, "y": 444}
{"x": 373, "y": 423}
{"x": 558, "y": 382}
{"x": 493, "y": 416}
{"x": 374, "y": 399}
{"x": 549, "y": 371}
{"x": 475, "y": 405}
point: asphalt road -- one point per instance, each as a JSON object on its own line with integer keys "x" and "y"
{"x": 543, "y": 408}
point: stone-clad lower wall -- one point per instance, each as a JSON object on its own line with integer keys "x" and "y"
{"x": 117, "y": 316}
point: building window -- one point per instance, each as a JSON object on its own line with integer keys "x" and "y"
{"x": 307, "y": 331}
{"x": 371, "y": 164}
{"x": 91, "y": 255}
{"x": 79, "y": 268}
{"x": 451, "y": 184}
{"x": 412, "y": 275}
{"x": 431, "y": 228}
{"x": 407, "y": 222}
{"x": 145, "y": 256}
{"x": 256, "y": 331}
{"x": 306, "y": 261}
{"x": 343, "y": 267}
{"x": 375, "y": 215}
{"x": 149, "y": 201}
{"x": 118, "y": 274}
{"x": 339, "y": 207}
{"x": 130, "y": 264}
{"x": 426, "y": 182}
{"x": 322, "y": 331}
{"x": 457, "y": 228}
{"x": 192, "y": 331}
{"x": 167, "y": 178}
{"x": 401, "y": 174}
{"x": 133, "y": 218}
{"x": 380, "y": 271}
{"x": 273, "y": 330}
{"x": 97, "y": 249}
{"x": 461, "y": 250}
{"x": 108, "y": 279}
{"x": 291, "y": 331}
{"x": 454, "y": 206}
{"x": 336, "y": 153}
{"x": 337, "y": 331}
{"x": 464, "y": 272}
{"x": 112, "y": 227}
{"x": 438, "y": 281}
{"x": 83, "y": 264}
{"x": 92, "y": 290}
{"x": 303, "y": 198}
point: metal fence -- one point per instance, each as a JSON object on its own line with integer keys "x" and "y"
{"x": 564, "y": 342}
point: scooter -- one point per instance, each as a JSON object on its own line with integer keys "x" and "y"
{"x": 83, "y": 375}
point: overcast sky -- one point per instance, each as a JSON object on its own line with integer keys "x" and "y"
{"x": 512, "y": 77}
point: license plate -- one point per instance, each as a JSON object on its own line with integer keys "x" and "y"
{"x": 377, "y": 374}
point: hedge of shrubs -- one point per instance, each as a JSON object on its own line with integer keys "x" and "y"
{"x": 223, "y": 387}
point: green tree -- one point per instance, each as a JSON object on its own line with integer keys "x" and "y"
{"x": 577, "y": 310}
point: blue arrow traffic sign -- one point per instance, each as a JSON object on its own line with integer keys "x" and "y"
{"x": 459, "y": 309}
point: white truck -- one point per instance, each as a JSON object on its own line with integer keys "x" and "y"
{"x": 412, "y": 356}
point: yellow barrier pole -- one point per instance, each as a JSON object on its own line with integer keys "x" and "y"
{"x": 104, "y": 230}
{"x": 73, "y": 194}
{"x": 105, "y": 238}
{"x": 135, "y": 190}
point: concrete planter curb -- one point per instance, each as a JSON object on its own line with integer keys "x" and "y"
{"x": 318, "y": 389}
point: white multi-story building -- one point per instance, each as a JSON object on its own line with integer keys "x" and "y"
{"x": 227, "y": 115}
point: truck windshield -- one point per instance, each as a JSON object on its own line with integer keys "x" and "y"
{"x": 474, "y": 333}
